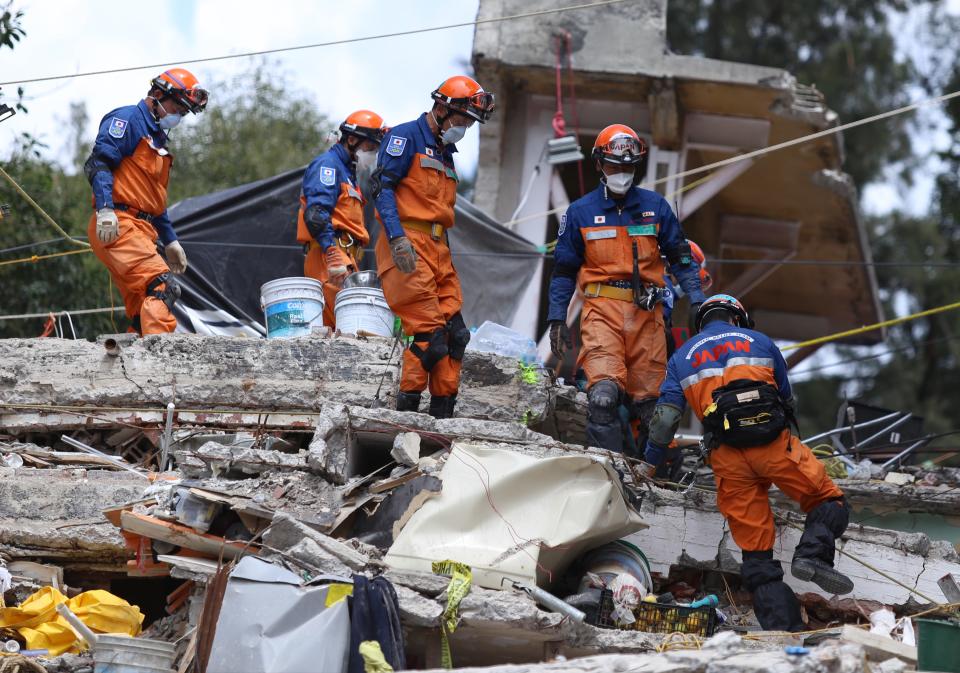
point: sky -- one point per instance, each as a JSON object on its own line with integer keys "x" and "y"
{"x": 392, "y": 76}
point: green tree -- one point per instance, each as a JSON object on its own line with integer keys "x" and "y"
{"x": 254, "y": 127}
{"x": 845, "y": 48}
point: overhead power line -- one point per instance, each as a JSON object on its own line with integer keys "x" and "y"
{"x": 317, "y": 45}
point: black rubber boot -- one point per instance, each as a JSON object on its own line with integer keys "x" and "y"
{"x": 774, "y": 603}
{"x": 813, "y": 558}
{"x": 442, "y": 407}
{"x": 408, "y": 401}
{"x": 642, "y": 411}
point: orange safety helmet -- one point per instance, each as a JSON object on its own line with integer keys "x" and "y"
{"x": 696, "y": 253}
{"x": 183, "y": 87}
{"x": 619, "y": 144}
{"x": 365, "y": 125}
{"x": 462, "y": 94}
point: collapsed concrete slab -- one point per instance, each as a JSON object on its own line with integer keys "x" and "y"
{"x": 210, "y": 373}
{"x": 56, "y": 515}
{"x": 686, "y": 529}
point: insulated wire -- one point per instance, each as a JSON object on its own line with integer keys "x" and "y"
{"x": 316, "y": 45}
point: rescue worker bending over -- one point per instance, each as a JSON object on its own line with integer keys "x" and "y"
{"x": 735, "y": 379}
{"x": 128, "y": 170}
{"x": 330, "y": 221}
{"x": 613, "y": 238}
{"x": 415, "y": 188}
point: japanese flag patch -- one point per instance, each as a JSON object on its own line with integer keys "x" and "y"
{"x": 429, "y": 151}
{"x": 599, "y": 219}
{"x": 395, "y": 145}
{"x": 118, "y": 127}
{"x": 328, "y": 176}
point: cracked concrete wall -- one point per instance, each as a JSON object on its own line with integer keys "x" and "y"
{"x": 690, "y": 531}
{"x": 56, "y": 515}
{"x": 235, "y": 373}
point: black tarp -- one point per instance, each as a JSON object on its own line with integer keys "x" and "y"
{"x": 238, "y": 239}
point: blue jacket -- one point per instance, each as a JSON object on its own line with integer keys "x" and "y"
{"x": 643, "y": 214}
{"x": 121, "y": 132}
{"x": 323, "y": 188}
{"x": 714, "y": 357}
{"x": 395, "y": 163}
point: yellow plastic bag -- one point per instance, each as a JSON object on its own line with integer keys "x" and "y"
{"x": 42, "y": 627}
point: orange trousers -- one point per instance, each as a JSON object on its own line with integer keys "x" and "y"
{"x": 744, "y": 477}
{"x": 315, "y": 266}
{"x": 424, "y": 301}
{"x": 623, "y": 343}
{"x": 133, "y": 262}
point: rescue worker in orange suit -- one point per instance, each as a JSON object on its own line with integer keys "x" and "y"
{"x": 128, "y": 170}
{"x": 330, "y": 221}
{"x": 735, "y": 380}
{"x": 613, "y": 238}
{"x": 415, "y": 188}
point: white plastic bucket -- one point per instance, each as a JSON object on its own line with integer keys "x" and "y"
{"x": 363, "y": 310}
{"x": 123, "y": 654}
{"x": 291, "y": 306}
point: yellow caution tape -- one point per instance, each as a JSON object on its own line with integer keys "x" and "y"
{"x": 460, "y": 579}
{"x": 870, "y": 328}
{"x": 373, "y": 659}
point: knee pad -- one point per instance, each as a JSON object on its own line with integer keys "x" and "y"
{"x": 170, "y": 293}
{"x": 834, "y": 514}
{"x": 459, "y": 336}
{"x": 436, "y": 347}
{"x": 759, "y": 568}
{"x": 603, "y": 398}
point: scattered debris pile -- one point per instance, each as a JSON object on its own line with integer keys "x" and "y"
{"x": 296, "y": 503}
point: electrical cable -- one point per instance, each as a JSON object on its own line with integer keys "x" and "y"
{"x": 873, "y": 356}
{"x": 317, "y": 45}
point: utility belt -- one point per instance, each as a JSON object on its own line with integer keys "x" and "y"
{"x": 434, "y": 229}
{"x": 649, "y": 295}
{"x": 745, "y": 413}
{"x": 342, "y": 239}
{"x": 139, "y": 214}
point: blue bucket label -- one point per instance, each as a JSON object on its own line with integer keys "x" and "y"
{"x": 292, "y": 318}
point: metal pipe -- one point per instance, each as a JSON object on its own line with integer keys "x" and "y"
{"x": 548, "y": 600}
{"x": 903, "y": 453}
{"x": 865, "y": 424}
{"x": 895, "y": 424}
{"x": 165, "y": 441}
{"x": 86, "y": 448}
{"x": 112, "y": 347}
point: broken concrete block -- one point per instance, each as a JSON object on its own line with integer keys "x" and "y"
{"x": 416, "y": 609}
{"x": 406, "y": 448}
{"x": 287, "y": 534}
{"x": 899, "y": 478}
{"x": 877, "y": 647}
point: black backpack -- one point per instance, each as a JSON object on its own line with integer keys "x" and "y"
{"x": 745, "y": 413}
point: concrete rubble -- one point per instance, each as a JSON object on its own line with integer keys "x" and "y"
{"x": 281, "y": 450}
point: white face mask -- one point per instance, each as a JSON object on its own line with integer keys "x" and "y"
{"x": 619, "y": 183}
{"x": 454, "y": 134}
{"x": 366, "y": 161}
{"x": 170, "y": 120}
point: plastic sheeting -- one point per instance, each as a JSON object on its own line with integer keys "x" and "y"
{"x": 240, "y": 238}
{"x": 37, "y": 620}
{"x": 513, "y": 515}
{"x": 269, "y": 623}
